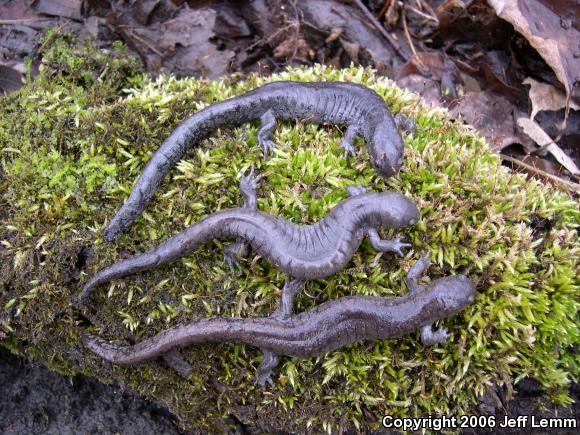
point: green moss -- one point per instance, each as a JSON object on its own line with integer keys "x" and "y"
{"x": 72, "y": 144}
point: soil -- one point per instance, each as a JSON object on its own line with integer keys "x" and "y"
{"x": 35, "y": 400}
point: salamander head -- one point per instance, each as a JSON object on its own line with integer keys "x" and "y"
{"x": 386, "y": 150}
{"x": 397, "y": 211}
{"x": 451, "y": 294}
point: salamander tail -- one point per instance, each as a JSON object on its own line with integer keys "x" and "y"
{"x": 101, "y": 347}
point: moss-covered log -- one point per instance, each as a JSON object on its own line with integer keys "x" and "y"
{"x": 73, "y": 142}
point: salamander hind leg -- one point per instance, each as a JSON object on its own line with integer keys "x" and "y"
{"x": 269, "y": 363}
{"x": 268, "y": 123}
{"x": 355, "y": 190}
{"x": 238, "y": 249}
{"x": 284, "y": 311}
{"x": 430, "y": 337}
{"x": 175, "y": 360}
{"x": 394, "y": 245}
{"x": 290, "y": 290}
{"x": 232, "y": 252}
{"x": 248, "y": 186}
{"x": 348, "y": 141}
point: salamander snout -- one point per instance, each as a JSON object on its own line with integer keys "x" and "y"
{"x": 411, "y": 214}
{"x": 396, "y": 210}
{"x": 387, "y": 167}
{"x": 453, "y": 293}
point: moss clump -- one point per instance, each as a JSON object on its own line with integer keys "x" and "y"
{"x": 73, "y": 143}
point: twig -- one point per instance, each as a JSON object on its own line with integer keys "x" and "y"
{"x": 130, "y": 32}
{"x": 23, "y": 20}
{"x": 567, "y": 184}
{"x": 408, "y": 36}
{"x": 421, "y": 14}
{"x": 381, "y": 29}
{"x": 271, "y": 37}
{"x": 296, "y": 29}
{"x": 51, "y": 37}
{"x": 384, "y": 9}
{"x": 410, "y": 41}
{"x": 428, "y": 8}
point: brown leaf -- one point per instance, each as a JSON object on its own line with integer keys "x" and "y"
{"x": 375, "y": 49}
{"x": 433, "y": 75}
{"x": 545, "y": 30}
{"x": 181, "y": 44}
{"x": 492, "y": 114}
{"x": 230, "y": 23}
{"x": 10, "y": 79}
{"x": 16, "y": 11}
{"x": 19, "y": 39}
{"x": 540, "y": 137}
{"x": 60, "y": 8}
{"x": 546, "y": 97}
{"x": 291, "y": 48}
{"x": 144, "y": 9}
{"x": 352, "y": 49}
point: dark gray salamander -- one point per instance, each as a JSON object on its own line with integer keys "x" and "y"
{"x": 323, "y": 328}
{"x": 302, "y": 251}
{"x": 360, "y": 108}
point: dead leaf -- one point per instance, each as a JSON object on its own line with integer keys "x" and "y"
{"x": 291, "y": 49}
{"x": 19, "y": 39}
{"x": 539, "y": 168}
{"x": 540, "y": 137}
{"x": 180, "y": 44}
{"x": 544, "y": 29}
{"x": 261, "y": 16}
{"x": 433, "y": 75}
{"x": 16, "y": 10}
{"x": 352, "y": 49}
{"x": 545, "y": 165}
{"x": 492, "y": 114}
{"x": 375, "y": 49}
{"x": 546, "y": 97}
{"x": 334, "y": 34}
{"x": 230, "y": 23}
{"x": 60, "y": 8}
{"x": 10, "y": 79}
{"x": 144, "y": 9}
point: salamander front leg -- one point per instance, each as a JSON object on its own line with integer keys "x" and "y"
{"x": 355, "y": 190}
{"x": 348, "y": 141}
{"x": 394, "y": 245}
{"x": 175, "y": 360}
{"x": 417, "y": 270}
{"x": 240, "y": 248}
{"x": 404, "y": 123}
{"x": 268, "y": 123}
{"x": 430, "y": 337}
{"x": 284, "y": 311}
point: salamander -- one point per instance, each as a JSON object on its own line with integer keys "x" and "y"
{"x": 302, "y": 251}
{"x": 361, "y": 109}
{"x": 324, "y": 327}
